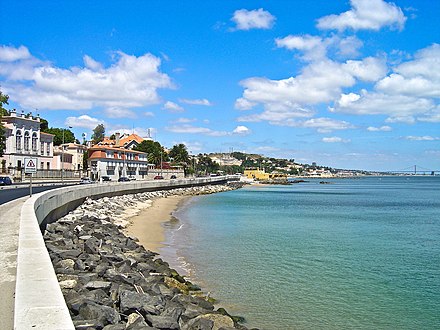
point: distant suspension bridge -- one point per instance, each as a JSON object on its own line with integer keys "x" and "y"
{"x": 416, "y": 170}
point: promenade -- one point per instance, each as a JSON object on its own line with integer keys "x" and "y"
{"x": 10, "y": 219}
{"x": 31, "y": 297}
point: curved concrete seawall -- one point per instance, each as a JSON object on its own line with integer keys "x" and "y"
{"x": 39, "y": 302}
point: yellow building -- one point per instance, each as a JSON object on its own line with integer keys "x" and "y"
{"x": 261, "y": 175}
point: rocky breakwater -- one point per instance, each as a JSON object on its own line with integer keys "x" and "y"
{"x": 111, "y": 282}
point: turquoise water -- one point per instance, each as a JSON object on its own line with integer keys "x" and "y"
{"x": 354, "y": 254}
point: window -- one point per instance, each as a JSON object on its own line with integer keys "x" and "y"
{"x": 26, "y": 140}
{"x": 18, "y": 140}
{"x": 42, "y": 165}
{"x": 42, "y": 148}
{"x": 48, "y": 165}
{"x": 34, "y": 141}
{"x": 48, "y": 149}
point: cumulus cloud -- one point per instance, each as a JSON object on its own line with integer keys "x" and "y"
{"x": 129, "y": 82}
{"x": 316, "y": 48}
{"x": 144, "y": 132}
{"x": 335, "y": 139}
{"x": 172, "y": 107}
{"x": 379, "y": 129}
{"x": 419, "y": 77}
{"x": 12, "y": 54}
{"x": 83, "y": 121}
{"x": 365, "y": 15}
{"x": 204, "y": 102}
{"x": 408, "y": 94}
{"x": 241, "y": 130}
{"x": 375, "y": 103}
{"x": 313, "y": 47}
{"x": 253, "y": 19}
{"x": 319, "y": 82}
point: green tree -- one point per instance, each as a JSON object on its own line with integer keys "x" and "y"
{"x": 98, "y": 133}
{"x": 155, "y": 152}
{"x": 69, "y": 137}
{"x": 179, "y": 154}
{"x": 206, "y": 165}
{"x": 3, "y": 112}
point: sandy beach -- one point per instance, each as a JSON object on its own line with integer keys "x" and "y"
{"x": 147, "y": 224}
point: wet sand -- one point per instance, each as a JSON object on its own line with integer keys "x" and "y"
{"x": 147, "y": 224}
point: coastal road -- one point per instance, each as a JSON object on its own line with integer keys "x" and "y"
{"x": 8, "y": 194}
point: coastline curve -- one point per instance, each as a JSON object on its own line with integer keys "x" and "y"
{"x": 39, "y": 303}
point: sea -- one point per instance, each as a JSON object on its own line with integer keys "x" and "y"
{"x": 361, "y": 253}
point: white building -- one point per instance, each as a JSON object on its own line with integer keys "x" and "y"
{"x": 24, "y": 139}
{"x": 118, "y": 162}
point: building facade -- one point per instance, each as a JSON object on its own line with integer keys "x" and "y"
{"x": 24, "y": 139}
{"x": 118, "y": 162}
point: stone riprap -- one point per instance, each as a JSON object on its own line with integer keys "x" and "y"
{"x": 111, "y": 282}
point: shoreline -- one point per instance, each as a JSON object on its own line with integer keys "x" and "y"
{"x": 148, "y": 224}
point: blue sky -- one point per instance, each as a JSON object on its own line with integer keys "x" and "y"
{"x": 348, "y": 84}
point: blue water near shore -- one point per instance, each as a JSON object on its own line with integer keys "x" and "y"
{"x": 354, "y": 254}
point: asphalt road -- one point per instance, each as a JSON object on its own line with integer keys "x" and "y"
{"x": 9, "y": 194}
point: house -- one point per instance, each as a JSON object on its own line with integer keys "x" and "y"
{"x": 116, "y": 162}
{"x": 73, "y": 155}
{"x": 25, "y": 139}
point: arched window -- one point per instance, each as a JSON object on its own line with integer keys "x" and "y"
{"x": 26, "y": 140}
{"x": 34, "y": 141}
{"x": 18, "y": 140}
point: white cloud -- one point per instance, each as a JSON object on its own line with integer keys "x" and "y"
{"x": 241, "y": 130}
{"x": 129, "y": 82}
{"x": 419, "y": 77}
{"x": 407, "y": 95}
{"x": 395, "y": 106}
{"x": 335, "y": 139}
{"x": 365, "y": 15}
{"x": 12, "y": 54}
{"x": 422, "y": 138}
{"x": 91, "y": 64}
{"x": 196, "y": 102}
{"x": 313, "y": 47}
{"x": 184, "y": 120}
{"x": 172, "y": 107}
{"x": 253, "y": 19}
{"x": 83, "y": 121}
{"x": 117, "y": 112}
{"x": 379, "y": 129}
{"x": 190, "y": 129}
{"x": 319, "y": 82}
{"x": 244, "y": 104}
{"x": 149, "y": 114}
{"x": 325, "y": 125}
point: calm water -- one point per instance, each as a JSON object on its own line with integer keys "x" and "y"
{"x": 358, "y": 253}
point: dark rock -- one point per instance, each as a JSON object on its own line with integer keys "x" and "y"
{"x": 114, "y": 327}
{"x": 87, "y": 324}
{"x": 136, "y": 322}
{"x": 141, "y": 302}
{"x": 91, "y": 245}
{"x": 162, "y": 322}
{"x": 92, "y": 285}
{"x": 104, "y": 314}
{"x": 198, "y": 324}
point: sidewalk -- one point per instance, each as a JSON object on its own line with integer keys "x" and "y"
{"x": 9, "y": 222}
